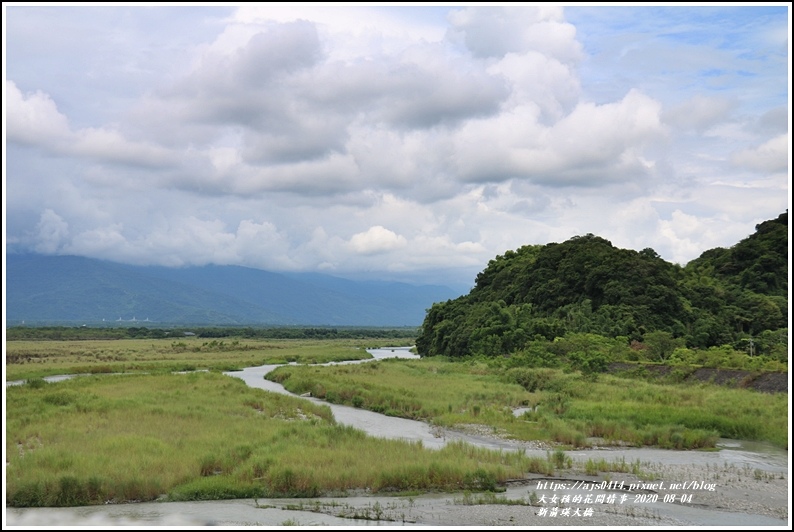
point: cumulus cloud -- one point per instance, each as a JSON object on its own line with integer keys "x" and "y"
{"x": 301, "y": 120}
{"x": 771, "y": 156}
{"x": 111, "y": 146}
{"x": 179, "y": 241}
{"x": 680, "y": 245}
{"x": 420, "y": 87}
{"x": 256, "y": 240}
{"x": 284, "y": 48}
{"x": 497, "y": 31}
{"x": 51, "y": 232}
{"x": 307, "y": 138}
{"x": 275, "y": 132}
{"x": 242, "y": 86}
{"x": 33, "y": 118}
{"x": 547, "y": 83}
{"x": 353, "y": 31}
{"x": 334, "y": 174}
{"x": 591, "y": 145}
{"x": 424, "y": 88}
{"x": 376, "y": 239}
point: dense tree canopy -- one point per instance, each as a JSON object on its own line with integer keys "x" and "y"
{"x": 585, "y": 285}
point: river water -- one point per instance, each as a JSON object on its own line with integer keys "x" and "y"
{"x": 246, "y": 512}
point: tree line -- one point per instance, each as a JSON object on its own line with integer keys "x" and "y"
{"x": 118, "y": 333}
{"x": 586, "y": 287}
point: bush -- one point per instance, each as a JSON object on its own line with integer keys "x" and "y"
{"x": 530, "y": 379}
{"x": 36, "y": 383}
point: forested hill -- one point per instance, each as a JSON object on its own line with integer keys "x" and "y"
{"x": 586, "y": 285}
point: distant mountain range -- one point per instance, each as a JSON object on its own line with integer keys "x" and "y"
{"x": 68, "y": 290}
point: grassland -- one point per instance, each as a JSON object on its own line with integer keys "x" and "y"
{"x": 137, "y": 432}
{"x": 564, "y": 408}
{"x": 134, "y": 430}
{"x": 27, "y": 359}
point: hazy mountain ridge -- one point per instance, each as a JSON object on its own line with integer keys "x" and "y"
{"x": 70, "y": 289}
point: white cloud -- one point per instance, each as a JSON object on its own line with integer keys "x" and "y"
{"x": 376, "y": 239}
{"x": 771, "y": 156}
{"x": 33, "y": 118}
{"x": 111, "y": 146}
{"x": 700, "y": 112}
{"x": 189, "y": 241}
{"x": 333, "y": 174}
{"x": 544, "y": 81}
{"x": 269, "y": 134}
{"x": 105, "y": 242}
{"x": 591, "y": 145}
{"x": 497, "y": 31}
{"x": 51, "y": 232}
{"x": 261, "y": 244}
{"x": 353, "y": 31}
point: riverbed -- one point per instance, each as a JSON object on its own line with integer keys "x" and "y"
{"x": 741, "y": 484}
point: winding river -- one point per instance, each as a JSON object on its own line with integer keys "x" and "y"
{"x": 731, "y": 454}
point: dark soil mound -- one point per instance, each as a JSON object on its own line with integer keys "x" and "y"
{"x": 769, "y": 382}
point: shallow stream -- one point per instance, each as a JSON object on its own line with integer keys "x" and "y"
{"x": 732, "y": 456}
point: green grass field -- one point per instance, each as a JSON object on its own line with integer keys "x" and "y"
{"x": 27, "y": 359}
{"x": 566, "y": 408}
{"x": 133, "y": 430}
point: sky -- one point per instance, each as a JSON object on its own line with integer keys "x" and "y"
{"x": 402, "y": 142}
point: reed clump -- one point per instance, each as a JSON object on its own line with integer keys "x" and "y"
{"x": 132, "y": 431}
{"x": 611, "y": 410}
{"x": 204, "y": 436}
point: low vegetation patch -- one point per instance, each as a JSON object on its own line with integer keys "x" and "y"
{"x": 560, "y": 406}
{"x": 27, "y": 359}
{"x": 133, "y": 430}
{"x": 202, "y": 436}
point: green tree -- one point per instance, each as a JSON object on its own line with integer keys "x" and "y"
{"x": 661, "y": 344}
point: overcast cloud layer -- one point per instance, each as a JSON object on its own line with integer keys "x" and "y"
{"x": 396, "y": 142}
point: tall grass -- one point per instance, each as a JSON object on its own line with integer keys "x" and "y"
{"x": 136, "y": 436}
{"x": 567, "y": 408}
{"x": 441, "y": 391}
{"x": 27, "y": 359}
{"x": 199, "y": 436}
{"x": 681, "y": 416}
